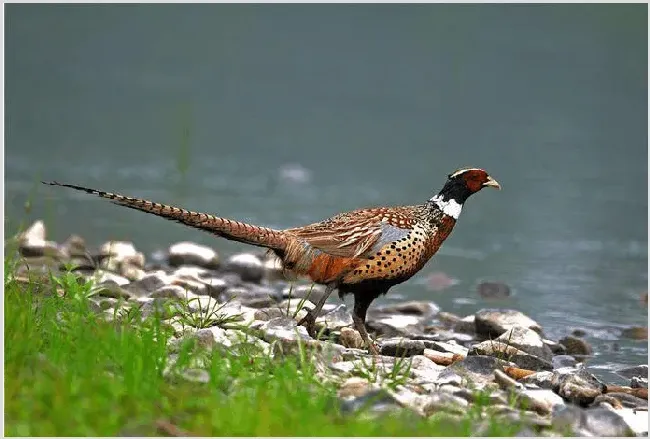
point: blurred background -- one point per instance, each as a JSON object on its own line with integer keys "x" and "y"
{"x": 286, "y": 114}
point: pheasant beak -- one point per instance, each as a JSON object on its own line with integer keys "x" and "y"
{"x": 491, "y": 182}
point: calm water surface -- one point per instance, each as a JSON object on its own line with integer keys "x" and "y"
{"x": 287, "y": 114}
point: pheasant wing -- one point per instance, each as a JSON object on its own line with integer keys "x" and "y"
{"x": 355, "y": 233}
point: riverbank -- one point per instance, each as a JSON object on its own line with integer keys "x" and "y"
{"x": 206, "y": 346}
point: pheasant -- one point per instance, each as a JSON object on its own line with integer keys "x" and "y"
{"x": 364, "y": 252}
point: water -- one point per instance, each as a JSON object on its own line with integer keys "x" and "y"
{"x": 286, "y": 114}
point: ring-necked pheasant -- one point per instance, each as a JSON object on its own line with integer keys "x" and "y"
{"x": 364, "y": 252}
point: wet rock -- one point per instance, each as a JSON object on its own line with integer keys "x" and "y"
{"x": 560, "y": 361}
{"x": 629, "y": 401}
{"x": 475, "y": 370}
{"x": 439, "y": 281}
{"x": 493, "y": 290}
{"x": 527, "y": 341}
{"x": 248, "y": 266}
{"x": 634, "y": 371}
{"x": 637, "y": 382}
{"x": 576, "y": 346}
{"x": 635, "y": 333}
{"x": 422, "y": 309}
{"x": 555, "y": 347}
{"x": 189, "y": 253}
{"x": 448, "y": 320}
{"x": 494, "y": 322}
{"x": 502, "y": 350}
{"x": 350, "y": 338}
{"x": 466, "y": 325}
{"x": 402, "y": 347}
{"x": 576, "y": 385}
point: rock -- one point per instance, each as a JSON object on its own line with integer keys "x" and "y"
{"x": 541, "y": 401}
{"x": 255, "y": 296}
{"x": 283, "y": 329}
{"x": 423, "y": 370}
{"x": 74, "y": 246}
{"x": 449, "y": 319}
{"x": 637, "y": 420}
{"x": 634, "y": 371}
{"x": 117, "y": 254}
{"x": 605, "y": 423}
{"x": 423, "y": 309}
{"x": 526, "y": 340}
{"x": 555, "y": 347}
{"x": 637, "y": 382}
{"x": 350, "y": 338}
{"x": 543, "y": 380}
{"x": 475, "y": 370}
{"x": 313, "y": 292}
{"x": 505, "y": 382}
{"x": 32, "y": 243}
{"x": 395, "y": 325}
{"x": 494, "y": 322}
{"x": 442, "y": 401}
{"x": 189, "y": 253}
{"x": 376, "y": 402}
{"x": 402, "y": 347}
{"x": 172, "y": 292}
{"x": 493, "y": 290}
{"x": 273, "y": 268}
{"x": 355, "y": 387}
{"x": 266, "y": 314}
{"x": 560, "y": 361}
{"x": 576, "y": 346}
{"x": 441, "y": 346}
{"x": 101, "y": 276}
{"x": 334, "y": 320}
{"x": 439, "y": 281}
{"x": 509, "y": 353}
{"x": 635, "y": 333}
{"x": 195, "y": 375}
{"x": 149, "y": 283}
{"x": 466, "y": 325}
{"x": 576, "y": 385}
{"x": 248, "y": 266}
{"x": 629, "y": 401}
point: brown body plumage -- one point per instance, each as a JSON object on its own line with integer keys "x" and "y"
{"x": 363, "y": 252}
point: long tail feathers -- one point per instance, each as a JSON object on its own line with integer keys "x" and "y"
{"x": 229, "y": 229}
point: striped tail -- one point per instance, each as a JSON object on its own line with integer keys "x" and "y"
{"x": 229, "y": 229}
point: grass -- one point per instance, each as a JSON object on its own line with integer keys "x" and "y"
{"x": 70, "y": 372}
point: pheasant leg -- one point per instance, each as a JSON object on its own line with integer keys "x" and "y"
{"x": 309, "y": 321}
{"x": 361, "y": 305}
